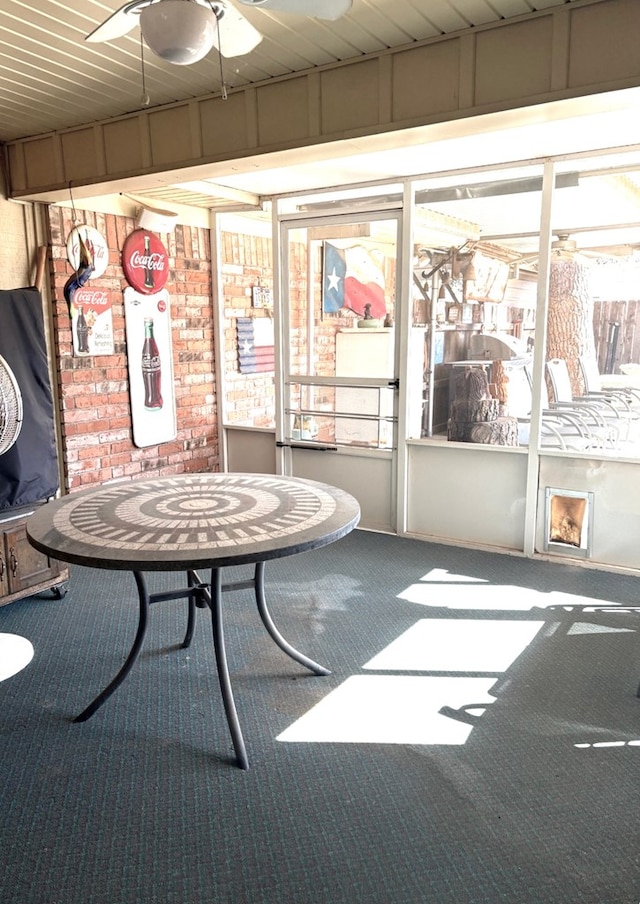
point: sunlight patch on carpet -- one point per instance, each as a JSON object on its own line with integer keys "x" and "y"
{"x": 474, "y": 596}
{"x": 440, "y": 589}
{"x": 15, "y": 654}
{"x": 457, "y": 645}
{"x": 448, "y": 577}
{"x": 391, "y": 709}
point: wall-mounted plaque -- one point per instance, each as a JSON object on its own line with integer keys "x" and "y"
{"x": 95, "y": 245}
{"x": 92, "y": 322}
{"x": 145, "y": 262}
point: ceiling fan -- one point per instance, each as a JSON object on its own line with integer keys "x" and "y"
{"x": 564, "y": 244}
{"x": 184, "y": 31}
{"x": 564, "y": 247}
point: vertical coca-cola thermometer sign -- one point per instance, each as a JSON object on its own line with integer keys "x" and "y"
{"x": 150, "y": 359}
{"x": 145, "y": 262}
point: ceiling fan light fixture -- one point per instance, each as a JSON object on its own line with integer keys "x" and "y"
{"x": 179, "y": 31}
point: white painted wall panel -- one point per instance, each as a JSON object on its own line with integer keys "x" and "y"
{"x": 469, "y": 494}
{"x": 368, "y": 477}
{"x": 616, "y": 505}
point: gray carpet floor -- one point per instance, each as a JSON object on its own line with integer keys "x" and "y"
{"x": 477, "y": 741}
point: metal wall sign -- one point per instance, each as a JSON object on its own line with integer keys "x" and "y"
{"x": 145, "y": 262}
{"x": 96, "y": 245}
{"x": 92, "y": 322}
{"x": 150, "y": 361}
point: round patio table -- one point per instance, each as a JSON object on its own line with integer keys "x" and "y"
{"x": 191, "y": 522}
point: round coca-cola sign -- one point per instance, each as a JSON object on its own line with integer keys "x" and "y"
{"x": 95, "y": 248}
{"x": 145, "y": 262}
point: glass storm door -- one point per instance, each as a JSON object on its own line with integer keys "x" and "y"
{"x": 339, "y": 392}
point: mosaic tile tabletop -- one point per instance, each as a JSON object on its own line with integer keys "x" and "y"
{"x": 190, "y": 521}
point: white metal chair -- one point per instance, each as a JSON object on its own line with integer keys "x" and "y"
{"x": 560, "y": 428}
{"x": 617, "y": 387}
{"x": 603, "y": 416}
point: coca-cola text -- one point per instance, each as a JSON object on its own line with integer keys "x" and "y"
{"x": 97, "y": 298}
{"x": 153, "y": 261}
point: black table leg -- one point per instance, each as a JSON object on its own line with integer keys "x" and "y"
{"x": 191, "y": 611}
{"x": 200, "y": 594}
{"x": 265, "y": 615}
{"x": 223, "y": 669}
{"x": 143, "y": 596}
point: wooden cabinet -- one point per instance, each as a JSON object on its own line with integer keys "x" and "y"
{"x": 23, "y": 570}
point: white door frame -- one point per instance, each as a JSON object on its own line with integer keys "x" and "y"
{"x": 282, "y": 224}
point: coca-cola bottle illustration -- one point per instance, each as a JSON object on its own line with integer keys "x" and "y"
{"x": 82, "y": 332}
{"x": 151, "y": 369}
{"x": 149, "y": 280}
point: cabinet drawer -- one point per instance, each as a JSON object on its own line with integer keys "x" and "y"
{"x": 25, "y": 565}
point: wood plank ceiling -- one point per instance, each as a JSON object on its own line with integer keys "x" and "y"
{"x": 50, "y": 78}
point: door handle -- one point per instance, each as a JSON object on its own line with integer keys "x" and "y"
{"x": 316, "y": 447}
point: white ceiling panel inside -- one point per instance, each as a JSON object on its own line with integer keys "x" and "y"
{"x": 51, "y": 78}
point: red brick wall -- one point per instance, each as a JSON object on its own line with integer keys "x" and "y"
{"x": 95, "y": 410}
{"x": 246, "y": 261}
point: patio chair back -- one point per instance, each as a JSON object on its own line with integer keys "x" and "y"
{"x": 590, "y": 373}
{"x": 560, "y": 380}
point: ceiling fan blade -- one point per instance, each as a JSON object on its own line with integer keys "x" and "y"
{"x": 119, "y": 23}
{"x": 317, "y": 9}
{"x": 237, "y": 35}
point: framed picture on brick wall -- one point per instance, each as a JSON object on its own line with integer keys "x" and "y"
{"x": 261, "y": 297}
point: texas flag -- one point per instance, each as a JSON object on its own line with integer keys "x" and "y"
{"x": 256, "y": 353}
{"x": 352, "y": 278}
